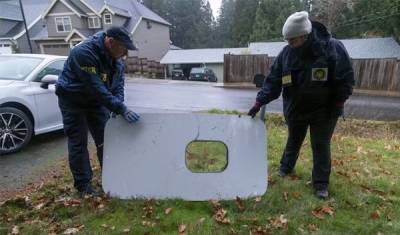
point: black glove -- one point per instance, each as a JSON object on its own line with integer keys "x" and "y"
{"x": 338, "y": 110}
{"x": 254, "y": 110}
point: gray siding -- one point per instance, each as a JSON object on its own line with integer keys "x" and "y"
{"x": 7, "y": 25}
{"x": 153, "y": 43}
{"x": 116, "y": 20}
{"x": 76, "y": 22}
{"x": 82, "y": 6}
{"x": 23, "y": 40}
{"x": 59, "y": 7}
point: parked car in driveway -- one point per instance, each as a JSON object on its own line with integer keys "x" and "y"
{"x": 28, "y": 104}
{"x": 202, "y": 74}
{"x": 179, "y": 74}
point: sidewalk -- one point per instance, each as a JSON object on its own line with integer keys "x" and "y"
{"x": 249, "y": 86}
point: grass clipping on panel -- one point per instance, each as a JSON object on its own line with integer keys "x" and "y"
{"x": 364, "y": 195}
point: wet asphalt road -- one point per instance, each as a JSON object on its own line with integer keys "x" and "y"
{"x": 170, "y": 96}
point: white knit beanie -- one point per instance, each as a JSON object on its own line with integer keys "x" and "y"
{"x": 296, "y": 25}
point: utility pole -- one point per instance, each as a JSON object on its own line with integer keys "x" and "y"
{"x": 26, "y": 28}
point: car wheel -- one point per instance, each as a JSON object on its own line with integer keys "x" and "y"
{"x": 15, "y": 130}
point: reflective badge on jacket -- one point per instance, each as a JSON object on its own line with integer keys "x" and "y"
{"x": 286, "y": 80}
{"x": 104, "y": 77}
{"x": 320, "y": 74}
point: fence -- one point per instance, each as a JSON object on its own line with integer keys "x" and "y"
{"x": 144, "y": 67}
{"x": 370, "y": 74}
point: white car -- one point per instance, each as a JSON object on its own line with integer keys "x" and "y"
{"x": 28, "y": 104}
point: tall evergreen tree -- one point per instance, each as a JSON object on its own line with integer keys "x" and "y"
{"x": 224, "y": 23}
{"x": 270, "y": 17}
{"x": 243, "y": 21}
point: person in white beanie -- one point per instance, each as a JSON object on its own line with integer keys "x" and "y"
{"x": 315, "y": 75}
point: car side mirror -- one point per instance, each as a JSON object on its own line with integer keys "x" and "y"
{"x": 48, "y": 79}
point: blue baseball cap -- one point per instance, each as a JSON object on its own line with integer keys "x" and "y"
{"x": 120, "y": 33}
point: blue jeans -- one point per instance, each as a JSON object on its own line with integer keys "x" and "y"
{"x": 80, "y": 117}
{"x": 321, "y": 132}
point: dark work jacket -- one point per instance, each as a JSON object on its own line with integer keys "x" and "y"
{"x": 91, "y": 77}
{"x": 312, "y": 78}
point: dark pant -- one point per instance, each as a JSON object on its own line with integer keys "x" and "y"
{"x": 321, "y": 132}
{"x": 78, "y": 118}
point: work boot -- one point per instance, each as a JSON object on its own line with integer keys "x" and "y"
{"x": 322, "y": 194}
{"x": 89, "y": 191}
{"x": 280, "y": 173}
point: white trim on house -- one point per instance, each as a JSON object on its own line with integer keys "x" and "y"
{"x": 62, "y": 1}
{"x": 88, "y": 6}
{"x": 72, "y": 34}
{"x": 61, "y": 14}
{"x": 104, "y": 18}
{"x": 55, "y": 19}
{"x": 137, "y": 24}
{"x": 105, "y": 7}
{"x": 29, "y": 27}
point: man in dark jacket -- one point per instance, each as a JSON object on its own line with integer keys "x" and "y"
{"x": 315, "y": 75}
{"x": 91, "y": 86}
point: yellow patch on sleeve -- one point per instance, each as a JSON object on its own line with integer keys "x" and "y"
{"x": 89, "y": 69}
{"x": 104, "y": 77}
{"x": 286, "y": 79}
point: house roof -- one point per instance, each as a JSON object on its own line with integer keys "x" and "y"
{"x": 131, "y": 9}
{"x": 32, "y": 11}
{"x": 116, "y": 11}
{"x": 193, "y": 56}
{"x": 10, "y": 11}
{"x": 366, "y": 48}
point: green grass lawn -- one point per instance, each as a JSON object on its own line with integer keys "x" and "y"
{"x": 364, "y": 194}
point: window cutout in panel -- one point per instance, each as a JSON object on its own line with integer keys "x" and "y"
{"x": 206, "y": 156}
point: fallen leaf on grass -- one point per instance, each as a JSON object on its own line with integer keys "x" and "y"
{"x": 280, "y": 222}
{"x": 285, "y": 196}
{"x": 214, "y": 203}
{"x": 15, "y": 230}
{"x": 182, "y": 229}
{"x": 71, "y": 231}
{"x": 318, "y": 215}
{"x": 258, "y": 231}
{"x": 327, "y": 209}
{"x": 296, "y": 195}
{"x": 147, "y": 223}
{"x": 390, "y": 215}
{"x": 219, "y": 216}
{"x": 104, "y": 225}
{"x": 257, "y": 199}
{"x": 201, "y": 220}
{"x": 342, "y": 173}
{"x": 239, "y": 203}
{"x": 126, "y": 230}
{"x": 371, "y": 190}
{"x": 313, "y": 227}
{"x": 375, "y": 215}
{"x": 168, "y": 211}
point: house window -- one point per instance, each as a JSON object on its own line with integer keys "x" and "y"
{"x": 107, "y": 19}
{"x": 94, "y": 22}
{"x": 63, "y": 24}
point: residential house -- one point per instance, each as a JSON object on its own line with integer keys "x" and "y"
{"x": 12, "y": 28}
{"x": 69, "y": 22}
{"x": 368, "y": 48}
